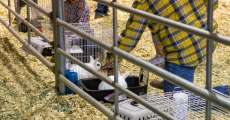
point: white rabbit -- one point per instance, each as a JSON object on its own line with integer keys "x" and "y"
{"x": 121, "y": 81}
{"x": 82, "y": 73}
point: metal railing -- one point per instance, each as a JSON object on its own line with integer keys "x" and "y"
{"x": 60, "y": 55}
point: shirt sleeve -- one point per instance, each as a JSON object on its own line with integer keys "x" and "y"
{"x": 134, "y": 27}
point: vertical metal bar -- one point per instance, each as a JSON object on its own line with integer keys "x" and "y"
{"x": 210, "y": 46}
{"x": 116, "y": 66}
{"x": 58, "y": 12}
{"x": 17, "y": 10}
{"x": 29, "y": 20}
{"x": 9, "y": 13}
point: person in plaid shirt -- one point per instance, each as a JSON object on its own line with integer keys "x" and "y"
{"x": 183, "y": 51}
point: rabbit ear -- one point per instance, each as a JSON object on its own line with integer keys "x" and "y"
{"x": 97, "y": 59}
{"x": 91, "y": 59}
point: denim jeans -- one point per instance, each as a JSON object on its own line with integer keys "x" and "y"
{"x": 179, "y": 70}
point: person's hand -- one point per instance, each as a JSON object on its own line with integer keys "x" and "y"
{"x": 158, "y": 60}
{"x": 109, "y": 67}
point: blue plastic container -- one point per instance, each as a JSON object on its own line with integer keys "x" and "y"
{"x": 73, "y": 77}
{"x": 224, "y": 89}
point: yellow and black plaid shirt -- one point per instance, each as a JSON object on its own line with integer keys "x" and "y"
{"x": 180, "y": 47}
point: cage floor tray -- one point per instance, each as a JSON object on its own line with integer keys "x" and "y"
{"x": 91, "y": 87}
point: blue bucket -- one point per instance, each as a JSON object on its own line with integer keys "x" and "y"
{"x": 73, "y": 77}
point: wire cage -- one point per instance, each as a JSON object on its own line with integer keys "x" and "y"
{"x": 181, "y": 105}
{"x": 77, "y": 46}
{"x": 82, "y": 48}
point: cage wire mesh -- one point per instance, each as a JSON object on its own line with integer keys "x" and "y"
{"x": 82, "y": 48}
{"x": 191, "y": 108}
{"x": 102, "y": 30}
{"x": 85, "y": 50}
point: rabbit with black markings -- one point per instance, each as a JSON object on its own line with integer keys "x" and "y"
{"x": 41, "y": 46}
{"x": 84, "y": 74}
